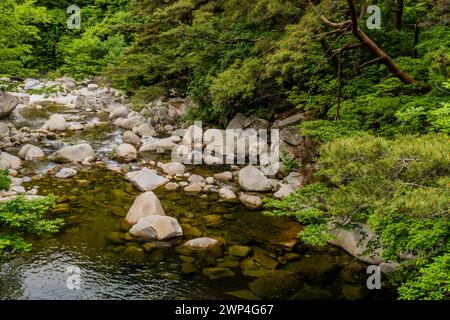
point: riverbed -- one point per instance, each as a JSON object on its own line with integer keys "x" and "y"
{"x": 94, "y": 203}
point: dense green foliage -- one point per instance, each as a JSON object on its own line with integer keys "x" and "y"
{"x": 20, "y": 217}
{"x": 36, "y": 39}
{"x": 4, "y": 180}
{"x": 400, "y": 187}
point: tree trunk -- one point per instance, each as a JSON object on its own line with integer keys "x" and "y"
{"x": 416, "y": 40}
{"x": 399, "y": 15}
{"x": 339, "y": 87}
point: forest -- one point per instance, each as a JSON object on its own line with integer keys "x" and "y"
{"x": 371, "y": 80}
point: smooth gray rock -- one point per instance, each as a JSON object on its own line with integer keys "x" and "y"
{"x": 252, "y": 179}
{"x": 8, "y": 103}
{"x": 146, "y": 180}
{"x": 76, "y": 153}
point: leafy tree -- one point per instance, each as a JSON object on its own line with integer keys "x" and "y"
{"x": 17, "y": 19}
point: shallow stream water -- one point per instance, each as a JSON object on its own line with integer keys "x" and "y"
{"x": 94, "y": 203}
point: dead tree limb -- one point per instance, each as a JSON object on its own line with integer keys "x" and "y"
{"x": 375, "y": 49}
{"x": 365, "y": 64}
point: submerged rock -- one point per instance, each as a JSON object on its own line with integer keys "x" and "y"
{"x": 239, "y": 251}
{"x": 66, "y": 173}
{"x": 275, "y": 284}
{"x": 146, "y": 204}
{"x": 201, "y": 248}
{"x": 156, "y": 227}
{"x": 134, "y": 254}
{"x": 188, "y": 268}
{"x": 76, "y": 153}
{"x": 244, "y": 294}
{"x": 315, "y": 266}
{"x": 218, "y": 273}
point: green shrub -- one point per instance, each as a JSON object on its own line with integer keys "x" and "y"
{"x": 399, "y": 187}
{"x": 20, "y": 216}
{"x": 5, "y": 182}
{"x": 288, "y": 162}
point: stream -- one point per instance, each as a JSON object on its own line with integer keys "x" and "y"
{"x": 93, "y": 205}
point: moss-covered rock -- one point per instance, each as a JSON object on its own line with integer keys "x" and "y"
{"x": 218, "y": 273}
{"x": 189, "y": 231}
{"x": 212, "y": 219}
{"x": 201, "y": 248}
{"x": 133, "y": 254}
{"x": 312, "y": 293}
{"x": 115, "y": 238}
{"x": 253, "y": 269}
{"x": 188, "y": 268}
{"x": 187, "y": 259}
{"x": 275, "y": 284}
{"x": 244, "y": 294}
{"x": 314, "y": 266}
{"x": 61, "y": 208}
{"x": 239, "y": 251}
{"x": 228, "y": 264}
{"x": 353, "y": 292}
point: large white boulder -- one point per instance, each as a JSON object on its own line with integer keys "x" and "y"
{"x": 146, "y": 204}
{"x": 157, "y": 228}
